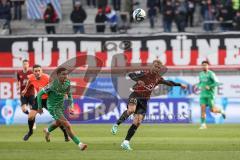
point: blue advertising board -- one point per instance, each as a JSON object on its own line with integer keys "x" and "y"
{"x": 171, "y": 110}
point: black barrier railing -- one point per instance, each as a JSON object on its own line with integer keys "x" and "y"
{"x": 38, "y": 27}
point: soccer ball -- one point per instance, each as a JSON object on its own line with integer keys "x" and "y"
{"x": 139, "y": 15}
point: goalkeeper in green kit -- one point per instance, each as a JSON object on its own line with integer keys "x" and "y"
{"x": 57, "y": 90}
{"x": 207, "y": 84}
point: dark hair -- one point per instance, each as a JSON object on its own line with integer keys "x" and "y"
{"x": 61, "y": 69}
{"x": 50, "y": 10}
{"x": 25, "y": 60}
{"x": 205, "y": 62}
{"x": 50, "y": 5}
{"x": 37, "y": 66}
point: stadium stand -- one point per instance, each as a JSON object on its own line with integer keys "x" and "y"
{"x": 203, "y": 20}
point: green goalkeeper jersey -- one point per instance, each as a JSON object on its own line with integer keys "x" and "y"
{"x": 207, "y": 79}
{"x": 56, "y": 94}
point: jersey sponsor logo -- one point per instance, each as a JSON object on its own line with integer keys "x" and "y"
{"x": 150, "y": 86}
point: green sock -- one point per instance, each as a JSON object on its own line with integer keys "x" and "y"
{"x": 76, "y": 140}
{"x": 51, "y": 128}
{"x": 203, "y": 120}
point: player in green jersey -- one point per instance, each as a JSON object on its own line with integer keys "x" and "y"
{"x": 207, "y": 84}
{"x": 57, "y": 90}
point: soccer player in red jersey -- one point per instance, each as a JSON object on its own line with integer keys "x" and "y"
{"x": 38, "y": 80}
{"x": 146, "y": 81}
{"x": 22, "y": 78}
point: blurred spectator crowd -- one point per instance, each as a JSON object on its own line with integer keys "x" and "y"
{"x": 210, "y": 14}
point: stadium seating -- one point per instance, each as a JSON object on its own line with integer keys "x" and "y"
{"x": 26, "y": 26}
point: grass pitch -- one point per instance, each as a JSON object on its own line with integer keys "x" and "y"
{"x": 151, "y": 142}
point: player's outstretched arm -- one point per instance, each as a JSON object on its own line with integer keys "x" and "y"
{"x": 39, "y": 98}
{"x": 199, "y": 84}
{"x": 18, "y": 81}
{"x": 45, "y": 90}
{"x": 215, "y": 81}
{"x": 172, "y": 83}
{"x": 70, "y": 99}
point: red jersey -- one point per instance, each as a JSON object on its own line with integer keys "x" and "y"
{"x": 151, "y": 81}
{"x": 22, "y": 79}
{"x": 39, "y": 83}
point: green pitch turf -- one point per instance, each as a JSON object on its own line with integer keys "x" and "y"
{"x": 151, "y": 142}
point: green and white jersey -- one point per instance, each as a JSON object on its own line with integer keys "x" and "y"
{"x": 208, "y": 79}
{"x": 56, "y": 94}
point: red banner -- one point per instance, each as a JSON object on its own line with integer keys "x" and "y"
{"x": 121, "y": 51}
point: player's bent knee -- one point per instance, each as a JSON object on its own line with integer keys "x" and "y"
{"x": 24, "y": 108}
{"x": 57, "y": 123}
{"x": 31, "y": 117}
{"x": 203, "y": 114}
{"x": 131, "y": 109}
{"x": 137, "y": 124}
{"x": 68, "y": 127}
